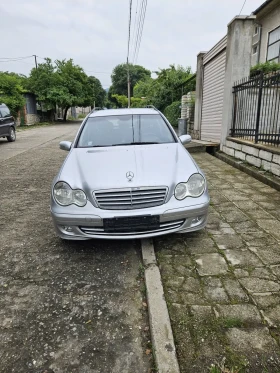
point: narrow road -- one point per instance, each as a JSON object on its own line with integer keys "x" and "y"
{"x": 67, "y": 307}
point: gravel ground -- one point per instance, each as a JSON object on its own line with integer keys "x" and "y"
{"x": 66, "y": 307}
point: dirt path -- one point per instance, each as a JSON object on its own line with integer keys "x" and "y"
{"x": 69, "y": 307}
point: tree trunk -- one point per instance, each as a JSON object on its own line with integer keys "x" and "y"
{"x": 65, "y": 113}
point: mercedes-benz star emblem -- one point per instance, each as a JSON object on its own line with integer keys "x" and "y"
{"x": 130, "y": 175}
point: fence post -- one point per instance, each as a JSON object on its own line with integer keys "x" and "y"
{"x": 234, "y": 112}
{"x": 259, "y": 107}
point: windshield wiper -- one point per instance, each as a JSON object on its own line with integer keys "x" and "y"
{"x": 137, "y": 143}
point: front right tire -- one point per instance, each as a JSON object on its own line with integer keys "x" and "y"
{"x": 12, "y": 135}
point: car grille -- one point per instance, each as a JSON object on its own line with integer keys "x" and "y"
{"x": 164, "y": 227}
{"x": 130, "y": 198}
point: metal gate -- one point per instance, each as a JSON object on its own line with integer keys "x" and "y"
{"x": 213, "y": 92}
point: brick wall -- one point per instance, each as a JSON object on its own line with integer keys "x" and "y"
{"x": 261, "y": 157}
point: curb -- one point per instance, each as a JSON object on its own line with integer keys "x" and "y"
{"x": 160, "y": 326}
{"x": 273, "y": 183}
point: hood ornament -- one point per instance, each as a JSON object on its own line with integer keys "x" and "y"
{"x": 130, "y": 175}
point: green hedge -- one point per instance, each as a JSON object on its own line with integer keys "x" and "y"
{"x": 173, "y": 113}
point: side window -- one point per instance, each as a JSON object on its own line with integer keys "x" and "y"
{"x": 5, "y": 112}
{"x": 273, "y": 47}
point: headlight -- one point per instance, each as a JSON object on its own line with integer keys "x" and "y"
{"x": 193, "y": 188}
{"x": 65, "y": 195}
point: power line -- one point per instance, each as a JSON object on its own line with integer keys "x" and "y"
{"x": 134, "y": 28}
{"x": 139, "y": 20}
{"x": 140, "y": 29}
{"x": 128, "y": 43}
{"x": 242, "y": 6}
{"x": 15, "y": 58}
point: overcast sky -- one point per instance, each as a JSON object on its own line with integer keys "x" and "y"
{"x": 94, "y": 33}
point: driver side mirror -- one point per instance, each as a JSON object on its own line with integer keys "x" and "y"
{"x": 65, "y": 145}
{"x": 185, "y": 139}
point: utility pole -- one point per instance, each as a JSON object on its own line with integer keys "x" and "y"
{"x": 40, "y": 103}
{"x": 128, "y": 85}
{"x": 35, "y": 61}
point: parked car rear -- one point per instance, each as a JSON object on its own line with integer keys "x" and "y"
{"x": 7, "y": 123}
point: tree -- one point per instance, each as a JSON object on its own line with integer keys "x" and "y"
{"x": 64, "y": 84}
{"x": 167, "y": 87}
{"x": 74, "y": 85}
{"x": 99, "y": 93}
{"x": 11, "y": 91}
{"x": 119, "y": 77}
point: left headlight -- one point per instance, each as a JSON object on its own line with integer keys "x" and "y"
{"x": 194, "y": 187}
{"x": 65, "y": 195}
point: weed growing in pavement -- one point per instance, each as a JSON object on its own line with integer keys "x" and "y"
{"x": 141, "y": 272}
{"x": 231, "y": 323}
{"x": 231, "y": 364}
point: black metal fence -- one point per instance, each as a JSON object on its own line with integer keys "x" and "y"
{"x": 256, "y": 109}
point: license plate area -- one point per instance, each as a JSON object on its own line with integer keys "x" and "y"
{"x": 131, "y": 224}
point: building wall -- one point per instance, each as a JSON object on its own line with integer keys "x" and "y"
{"x": 269, "y": 22}
{"x": 266, "y": 20}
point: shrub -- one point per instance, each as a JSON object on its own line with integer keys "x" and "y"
{"x": 266, "y": 67}
{"x": 82, "y": 116}
{"x": 173, "y": 112}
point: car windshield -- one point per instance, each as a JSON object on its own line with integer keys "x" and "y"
{"x": 121, "y": 130}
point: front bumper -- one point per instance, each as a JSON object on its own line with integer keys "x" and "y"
{"x": 75, "y": 223}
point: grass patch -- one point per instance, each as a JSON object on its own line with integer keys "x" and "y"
{"x": 231, "y": 323}
{"x": 37, "y": 125}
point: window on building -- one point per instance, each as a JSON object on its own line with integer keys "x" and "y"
{"x": 255, "y": 49}
{"x": 256, "y": 30}
{"x": 273, "y": 47}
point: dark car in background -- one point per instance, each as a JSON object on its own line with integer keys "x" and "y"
{"x": 7, "y": 124}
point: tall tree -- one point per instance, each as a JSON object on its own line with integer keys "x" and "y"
{"x": 99, "y": 92}
{"x": 166, "y": 88}
{"x": 119, "y": 77}
{"x": 64, "y": 84}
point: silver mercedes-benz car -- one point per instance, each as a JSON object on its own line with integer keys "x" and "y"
{"x": 127, "y": 175}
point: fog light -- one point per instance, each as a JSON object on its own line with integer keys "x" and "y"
{"x": 68, "y": 229}
{"x": 196, "y": 221}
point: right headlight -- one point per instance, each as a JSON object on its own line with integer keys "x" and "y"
{"x": 65, "y": 195}
{"x": 194, "y": 187}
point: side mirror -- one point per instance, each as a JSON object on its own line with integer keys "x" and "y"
{"x": 185, "y": 139}
{"x": 65, "y": 145}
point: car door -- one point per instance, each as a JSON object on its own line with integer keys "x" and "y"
{"x": 1, "y": 124}
{"x": 6, "y": 121}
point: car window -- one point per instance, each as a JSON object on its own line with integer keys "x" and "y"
{"x": 125, "y": 130}
{"x": 5, "y": 112}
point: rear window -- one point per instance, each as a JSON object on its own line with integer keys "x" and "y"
{"x": 5, "y": 112}
{"x": 125, "y": 130}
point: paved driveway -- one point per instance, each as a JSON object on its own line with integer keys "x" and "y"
{"x": 69, "y": 307}
{"x": 223, "y": 284}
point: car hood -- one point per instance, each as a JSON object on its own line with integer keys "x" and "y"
{"x": 106, "y": 168}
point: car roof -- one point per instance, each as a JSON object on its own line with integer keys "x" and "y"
{"x": 132, "y": 111}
